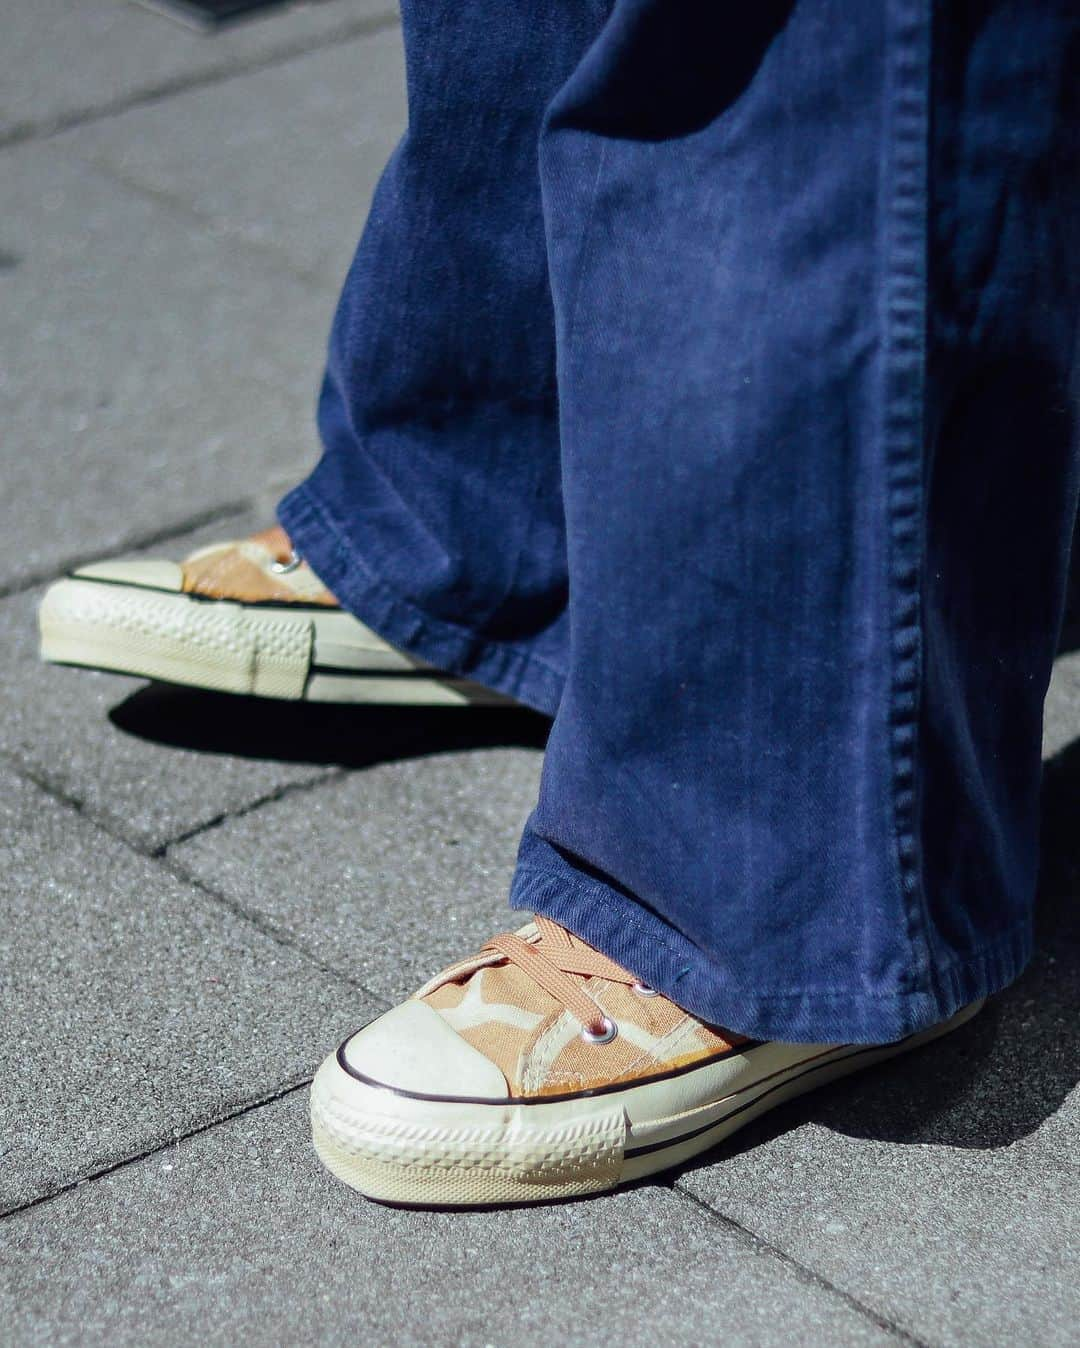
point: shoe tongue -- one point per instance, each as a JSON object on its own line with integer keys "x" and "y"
{"x": 502, "y": 987}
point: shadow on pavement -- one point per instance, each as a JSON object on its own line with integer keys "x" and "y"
{"x": 999, "y": 1077}
{"x": 989, "y": 1084}
{"x": 306, "y": 732}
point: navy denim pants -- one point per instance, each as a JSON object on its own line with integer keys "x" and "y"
{"x": 705, "y": 378}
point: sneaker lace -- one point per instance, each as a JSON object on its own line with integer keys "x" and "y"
{"x": 553, "y": 961}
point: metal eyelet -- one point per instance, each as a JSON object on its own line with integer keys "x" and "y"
{"x": 604, "y": 1036}
{"x": 643, "y": 990}
{"x": 283, "y": 568}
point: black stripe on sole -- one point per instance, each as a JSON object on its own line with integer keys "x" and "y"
{"x": 344, "y": 672}
{"x": 671, "y": 1142}
{"x": 359, "y": 674}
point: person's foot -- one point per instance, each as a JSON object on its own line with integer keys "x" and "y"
{"x": 539, "y": 1069}
{"x": 238, "y": 617}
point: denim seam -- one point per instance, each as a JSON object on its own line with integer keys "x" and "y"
{"x": 905, "y": 360}
{"x": 351, "y": 557}
{"x": 586, "y": 891}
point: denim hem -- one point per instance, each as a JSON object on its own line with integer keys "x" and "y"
{"x": 641, "y": 942}
{"x": 353, "y": 580}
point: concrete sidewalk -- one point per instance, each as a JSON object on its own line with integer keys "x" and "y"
{"x": 202, "y": 895}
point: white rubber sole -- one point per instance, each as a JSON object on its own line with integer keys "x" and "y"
{"x": 295, "y": 652}
{"x": 401, "y": 1148}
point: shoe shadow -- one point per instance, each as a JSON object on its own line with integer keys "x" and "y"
{"x": 1003, "y": 1074}
{"x": 306, "y": 732}
{"x": 992, "y": 1082}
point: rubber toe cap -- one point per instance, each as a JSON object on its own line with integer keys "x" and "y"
{"x": 412, "y": 1048}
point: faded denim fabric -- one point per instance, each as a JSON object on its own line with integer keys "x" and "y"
{"x": 706, "y": 377}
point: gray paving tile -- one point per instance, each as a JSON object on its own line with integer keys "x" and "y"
{"x": 110, "y": 52}
{"x": 1061, "y": 714}
{"x": 324, "y": 124}
{"x": 143, "y": 759}
{"x": 133, "y": 1008}
{"x": 388, "y": 874}
{"x": 150, "y": 369}
{"x": 237, "y": 1236}
{"x": 940, "y": 1189}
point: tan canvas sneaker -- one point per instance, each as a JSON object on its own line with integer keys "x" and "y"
{"x": 246, "y": 616}
{"x": 540, "y": 1069}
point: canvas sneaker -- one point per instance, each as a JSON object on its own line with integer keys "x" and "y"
{"x": 539, "y": 1069}
{"x": 246, "y": 616}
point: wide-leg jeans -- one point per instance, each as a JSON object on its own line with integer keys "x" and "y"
{"x": 706, "y": 377}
